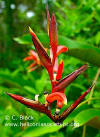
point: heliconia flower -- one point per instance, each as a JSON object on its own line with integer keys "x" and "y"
{"x": 59, "y": 97}
{"x": 32, "y": 67}
{"x": 50, "y": 62}
{"x": 61, "y": 49}
{"x": 34, "y": 57}
{"x": 55, "y": 70}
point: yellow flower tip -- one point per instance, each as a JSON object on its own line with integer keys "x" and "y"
{"x": 30, "y": 29}
{"x": 31, "y": 32}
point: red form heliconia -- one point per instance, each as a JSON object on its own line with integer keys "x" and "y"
{"x": 51, "y": 63}
{"x": 55, "y": 70}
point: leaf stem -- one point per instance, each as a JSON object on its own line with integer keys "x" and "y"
{"x": 84, "y": 131}
{"x": 94, "y": 82}
{"x": 82, "y": 103}
{"x": 90, "y": 97}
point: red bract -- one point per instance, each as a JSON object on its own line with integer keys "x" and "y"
{"x": 55, "y": 70}
{"x": 60, "y": 70}
{"x": 53, "y": 37}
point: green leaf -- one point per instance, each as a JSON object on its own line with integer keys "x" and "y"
{"x": 17, "y": 81}
{"x": 26, "y": 39}
{"x": 83, "y": 51}
{"x": 85, "y": 117}
{"x": 97, "y": 38}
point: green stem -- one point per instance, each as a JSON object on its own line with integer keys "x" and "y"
{"x": 84, "y": 131}
{"x": 84, "y": 102}
{"x": 94, "y": 82}
{"x": 90, "y": 97}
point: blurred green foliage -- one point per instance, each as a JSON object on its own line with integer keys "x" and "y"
{"x": 79, "y": 29}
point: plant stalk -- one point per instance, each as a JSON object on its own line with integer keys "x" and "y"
{"x": 90, "y": 97}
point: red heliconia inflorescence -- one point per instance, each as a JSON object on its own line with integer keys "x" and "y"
{"x": 54, "y": 69}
